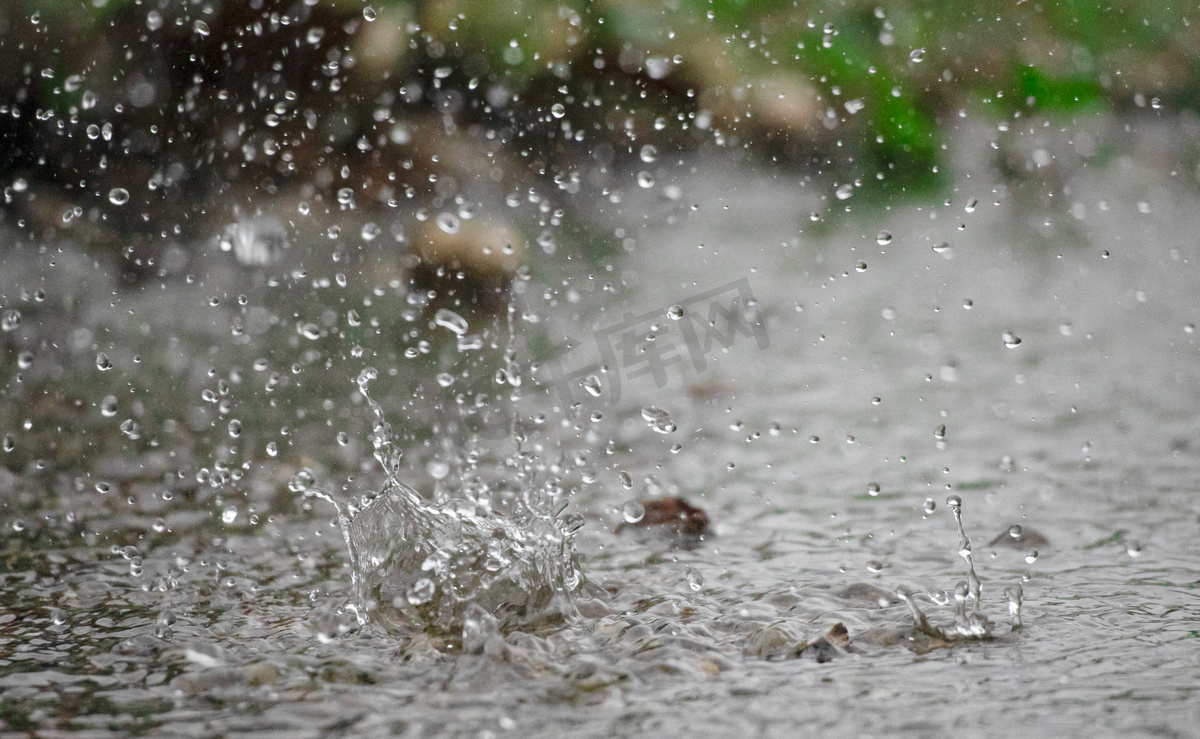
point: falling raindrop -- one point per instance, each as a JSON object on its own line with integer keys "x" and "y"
{"x": 118, "y": 196}
{"x": 658, "y": 419}
{"x": 448, "y": 222}
{"x": 916, "y": 56}
{"x": 450, "y": 320}
{"x": 633, "y": 511}
{"x": 675, "y": 312}
{"x": 10, "y": 320}
{"x": 1011, "y": 340}
{"x": 884, "y": 238}
{"x": 591, "y": 384}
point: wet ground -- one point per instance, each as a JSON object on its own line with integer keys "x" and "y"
{"x": 819, "y": 382}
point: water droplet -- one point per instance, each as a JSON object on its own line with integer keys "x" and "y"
{"x": 861, "y": 266}
{"x": 1015, "y": 531}
{"x": 939, "y": 433}
{"x": 972, "y": 204}
{"x": 1011, "y": 340}
{"x": 200, "y": 27}
{"x": 130, "y": 428}
{"x": 10, "y": 442}
{"x": 369, "y": 14}
{"x": 626, "y": 480}
{"x": 916, "y": 56}
{"x": 438, "y": 469}
{"x": 118, "y": 196}
{"x": 448, "y": 222}
{"x": 954, "y": 502}
{"x": 874, "y": 565}
{"x": 658, "y": 419}
{"x": 645, "y": 180}
{"x": 648, "y": 153}
{"x": 104, "y": 488}
{"x": 102, "y": 362}
{"x": 108, "y": 406}
{"x": 1133, "y": 549}
{"x": 558, "y": 110}
{"x": 230, "y": 514}
{"x": 302, "y": 480}
{"x": 943, "y": 248}
{"x": 18, "y": 525}
{"x": 633, "y": 511}
{"x": 10, "y": 320}
{"x": 1031, "y": 556}
{"x": 844, "y": 192}
{"x": 450, "y": 320}
{"x": 272, "y": 449}
{"x": 930, "y": 506}
{"x": 695, "y": 580}
{"x": 421, "y": 591}
{"x": 591, "y": 384}
{"x": 884, "y": 238}
{"x": 675, "y": 312}
{"x": 235, "y": 428}
{"x": 873, "y": 489}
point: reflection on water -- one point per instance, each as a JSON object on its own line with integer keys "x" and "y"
{"x": 178, "y": 571}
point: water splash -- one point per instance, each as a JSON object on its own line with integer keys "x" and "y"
{"x": 969, "y": 620}
{"x": 418, "y": 565}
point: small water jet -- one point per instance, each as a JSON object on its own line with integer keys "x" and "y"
{"x": 969, "y": 620}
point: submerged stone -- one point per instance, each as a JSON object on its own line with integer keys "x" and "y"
{"x": 675, "y": 515}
